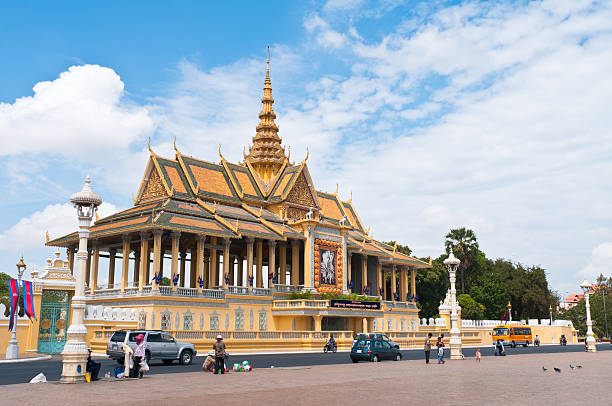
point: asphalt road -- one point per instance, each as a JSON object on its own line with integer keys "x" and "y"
{"x": 23, "y": 372}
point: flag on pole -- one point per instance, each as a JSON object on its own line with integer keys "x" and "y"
{"x": 28, "y": 299}
{"x": 14, "y": 296}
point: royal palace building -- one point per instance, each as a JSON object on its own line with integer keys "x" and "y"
{"x": 242, "y": 245}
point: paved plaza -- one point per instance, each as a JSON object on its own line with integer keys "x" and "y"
{"x": 496, "y": 380}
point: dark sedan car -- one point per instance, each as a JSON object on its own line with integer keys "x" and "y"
{"x": 374, "y": 350}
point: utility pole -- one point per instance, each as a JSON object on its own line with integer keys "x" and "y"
{"x": 603, "y": 294}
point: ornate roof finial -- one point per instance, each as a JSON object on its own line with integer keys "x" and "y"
{"x": 266, "y": 155}
{"x": 221, "y": 155}
{"x": 337, "y": 187}
{"x": 47, "y": 236}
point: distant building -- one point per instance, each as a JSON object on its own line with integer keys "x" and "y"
{"x": 571, "y": 300}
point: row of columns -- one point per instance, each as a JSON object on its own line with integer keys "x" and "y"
{"x": 380, "y": 279}
{"x": 203, "y": 269}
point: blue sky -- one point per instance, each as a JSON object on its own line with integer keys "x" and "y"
{"x": 434, "y": 114}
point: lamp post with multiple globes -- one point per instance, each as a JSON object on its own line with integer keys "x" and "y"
{"x": 452, "y": 263}
{"x": 12, "y": 350}
{"x": 590, "y": 339}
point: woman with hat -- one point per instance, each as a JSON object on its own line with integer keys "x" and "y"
{"x": 139, "y": 355}
{"x": 219, "y": 348}
{"x": 209, "y": 363}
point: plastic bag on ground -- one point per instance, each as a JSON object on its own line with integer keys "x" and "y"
{"x": 39, "y": 378}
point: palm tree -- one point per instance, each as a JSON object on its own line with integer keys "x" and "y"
{"x": 465, "y": 246}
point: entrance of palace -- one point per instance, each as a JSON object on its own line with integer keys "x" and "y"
{"x": 54, "y": 318}
{"x": 333, "y": 324}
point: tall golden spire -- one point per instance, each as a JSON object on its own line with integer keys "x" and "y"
{"x": 266, "y": 155}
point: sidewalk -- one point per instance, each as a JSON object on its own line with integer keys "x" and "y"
{"x": 501, "y": 381}
{"x": 28, "y": 357}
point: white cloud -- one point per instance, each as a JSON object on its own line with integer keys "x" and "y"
{"x": 600, "y": 262}
{"x": 79, "y": 114}
{"x": 57, "y": 219}
{"x": 342, "y": 5}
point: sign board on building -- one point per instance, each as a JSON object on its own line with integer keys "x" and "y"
{"x": 354, "y": 304}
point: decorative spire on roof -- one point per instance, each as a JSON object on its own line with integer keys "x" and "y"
{"x": 266, "y": 155}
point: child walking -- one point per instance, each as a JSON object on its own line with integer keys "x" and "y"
{"x": 478, "y": 355}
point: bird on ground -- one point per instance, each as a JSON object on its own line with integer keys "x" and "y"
{"x": 557, "y": 369}
{"x": 544, "y": 369}
{"x": 572, "y": 366}
{"x": 578, "y": 366}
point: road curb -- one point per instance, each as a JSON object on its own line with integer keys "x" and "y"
{"x": 19, "y": 360}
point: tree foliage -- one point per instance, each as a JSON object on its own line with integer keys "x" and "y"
{"x": 577, "y": 314}
{"x": 464, "y": 244}
{"x": 470, "y": 309}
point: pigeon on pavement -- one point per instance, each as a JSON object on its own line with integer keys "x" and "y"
{"x": 571, "y": 366}
{"x": 544, "y": 369}
{"x": 557, "y": 369}
{"x": 578, "y": 366}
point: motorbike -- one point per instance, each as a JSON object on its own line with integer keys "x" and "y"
{"x": 330, "y": 346}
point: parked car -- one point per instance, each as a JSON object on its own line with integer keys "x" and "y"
{"x": 374, "y": 349}
{"x": 378, "y": 336}
{"x": 160, "y": 345}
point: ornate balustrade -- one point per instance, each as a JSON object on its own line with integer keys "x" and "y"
{"x": 238, "y": 290}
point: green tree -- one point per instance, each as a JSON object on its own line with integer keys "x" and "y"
{"x": 464, "y": 244}
{"x": 491, "y": 293}
{"x": 470, "y": 309}
{"x": 404, "y": 249}
{"x": 4, "y": 284}
{"x": 431, "y": 287}
{"x": 165, "y": 282}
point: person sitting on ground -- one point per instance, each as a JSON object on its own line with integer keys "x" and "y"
{"x": 209, "y": 362}
{"x": 92, "y": 367}
{"x": 499, "y": 348}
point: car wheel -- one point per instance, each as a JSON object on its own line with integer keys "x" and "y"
{"x": 168, "y": 361}
{"x": 186, "y": 357}
{"x": 354, "y": 360}
{"x": 375, "y": 358}
{"x": 398, "y": 357}
{"x": 148, "y": 356}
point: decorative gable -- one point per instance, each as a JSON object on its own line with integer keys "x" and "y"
{"x": 154, "y": 188}
{"x": 301, "y": 193}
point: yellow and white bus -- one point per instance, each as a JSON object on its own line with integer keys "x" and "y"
{"x": 512, "y": 335}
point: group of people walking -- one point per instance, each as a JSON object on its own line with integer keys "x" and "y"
{"x": 439, "y": 345}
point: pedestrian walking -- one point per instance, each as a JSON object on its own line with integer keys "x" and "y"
{"x": 478, "y": 355}
{"x": 440, "y": 345}
{"x": 219, "y": 348}
{"x": 139, "y": 355}
{"x": 427, "y": 347}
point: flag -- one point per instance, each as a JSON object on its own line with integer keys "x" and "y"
{"x": 28, "y": 299}
{"x": 14, "y": 296}
{"x": 505, "y": 316}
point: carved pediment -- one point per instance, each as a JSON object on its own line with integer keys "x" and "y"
{"x": 301, "y": 193}
{"x": 154, "y": 188}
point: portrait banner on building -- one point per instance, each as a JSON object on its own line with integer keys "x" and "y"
{"x": 28, "y": 299}
{"x": 14, "y": 298}
{"x": 328, "y": 266}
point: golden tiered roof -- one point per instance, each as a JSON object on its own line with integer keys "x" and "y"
{"x": 267, "y": 156}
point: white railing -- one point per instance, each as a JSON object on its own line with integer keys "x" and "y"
{"x": 238, "y": 290}
{"x": 187, "y": 291}
{"x": 213, "y": 293}
{"x": 146, "y": 289}
{"x": 100, "y": 312}
{"x": 165, "y": 290}
{"x": 288, "y": 288}
{"x": 262, "y": 292}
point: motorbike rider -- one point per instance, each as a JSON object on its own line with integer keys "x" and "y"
{"x": 331, "y": 343}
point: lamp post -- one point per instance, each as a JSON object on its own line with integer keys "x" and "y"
{"x": 452, "y": 263}
{"x": 509, "y": 311}
{"x": 12, "y": 350}
{"x": 603, "y": 298}
{"x": 590, "y": 340}
{"x": 74, "y": 356}
{"x": 552, "y": 329}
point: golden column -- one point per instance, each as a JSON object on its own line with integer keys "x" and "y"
{"x": 95, "y": 262}
{"x": 125, "y": 261}
{"x": 240, "y": 278}
{"x": 144, "y": 260}
{"x": 70, "y": 252}
{"x": 193, "y": 267}
{"x": 282, "y": 258}
{"x": 88, "y": 267}
{"x": 176, "y": 237}
{"x": 393, "y": 282}
{"x": 200, "y": 260}
{"x": 271, "y": 262}
{"x": 364, "y": 273}
{"x": 259, "y": 260}
{"x": 249, "y": 275}
{"x": 403, "y": 280}
{"x": 112, "y": 253}
{"x": 413, "y": 283}
{"x": 183, "y": 265}
{"x": 349, "y": 276}
{"x": 379, "y": 279}
{"x": 213, "y": 276}
{"x": 295, "y": 262}
{"x": 157, "y": 257}
{"x": 226, "y": 262}
{"x": 136, "y": 267}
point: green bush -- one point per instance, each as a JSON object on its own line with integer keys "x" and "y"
{"x": 302, "y": 295}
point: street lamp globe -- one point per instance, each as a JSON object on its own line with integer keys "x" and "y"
{"x": 590, "y": 338}
{"x": 21, "y": 267}
{"x": 74, "y": 356}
